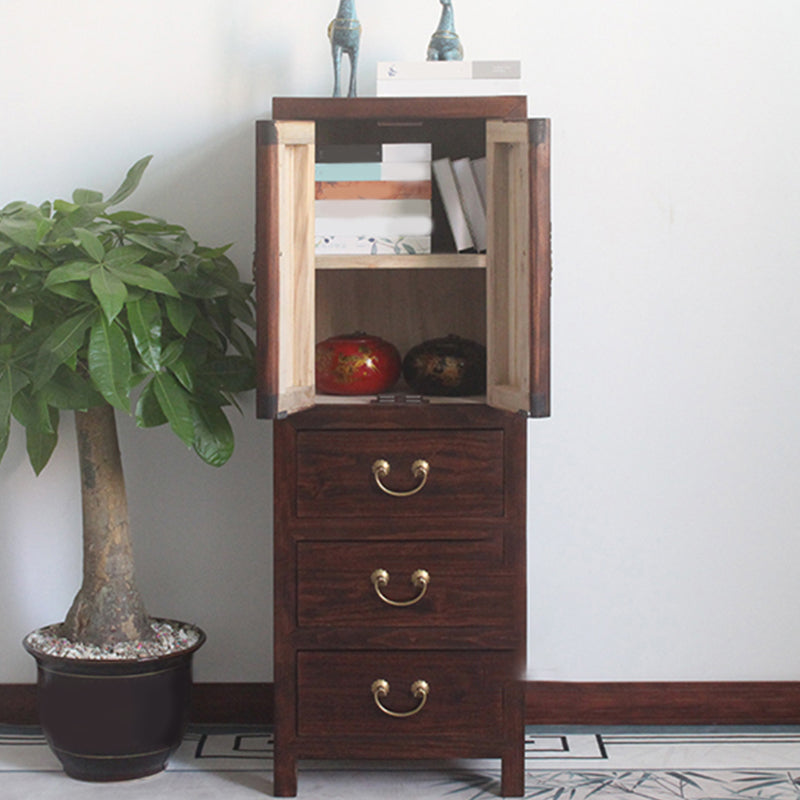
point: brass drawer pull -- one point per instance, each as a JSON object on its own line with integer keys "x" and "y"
{"x": 419, "y": 579}
{"x": 419, "y": 469}
{"x": 419, "y": 689}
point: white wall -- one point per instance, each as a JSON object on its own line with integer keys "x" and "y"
{"x": 664, "y": 511}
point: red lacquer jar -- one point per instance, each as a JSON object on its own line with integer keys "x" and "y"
{"x": 356, "y": 364}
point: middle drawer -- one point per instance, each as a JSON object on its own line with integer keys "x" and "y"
{"x": 437, "y": 584}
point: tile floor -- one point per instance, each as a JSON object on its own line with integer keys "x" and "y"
{"x": 561, "y": 764}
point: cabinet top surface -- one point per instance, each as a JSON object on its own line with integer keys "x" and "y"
{"x": 508, "y": 107}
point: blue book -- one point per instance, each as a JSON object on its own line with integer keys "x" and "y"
{"x": 354, "y": 171}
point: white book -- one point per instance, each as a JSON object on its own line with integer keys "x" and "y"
{"x": 406, "y": 151}
{"x": 448, "y": 70}
{"x": 372, "y": 245}
{"x": 373, "y": 217}
{"x": 396, "y": 87}
{"x": 406, "y": 170}
{"x": 446, "y": 181}
{"x": 479, "y": 171}
{"x": 471, "y": 202}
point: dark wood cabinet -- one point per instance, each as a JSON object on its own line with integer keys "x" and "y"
{"x": 400, "y": 560}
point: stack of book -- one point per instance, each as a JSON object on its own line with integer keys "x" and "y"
{"x": 462, "y": 185}
{"x": 373, "y": 199}
{"x": 448, "y": 78}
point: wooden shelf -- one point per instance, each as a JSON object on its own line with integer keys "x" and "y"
{"x": 426, "y": 261}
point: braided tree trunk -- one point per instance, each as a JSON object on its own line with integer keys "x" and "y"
{"x": 108, "y": 608}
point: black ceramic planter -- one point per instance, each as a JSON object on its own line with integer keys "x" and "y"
{"x": 112, "y": 720}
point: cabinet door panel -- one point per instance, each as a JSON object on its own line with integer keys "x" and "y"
{"x": 335, "y": 475}
{"x": 465, "y": 697}
{"x": 518, "y": 272}
{"x": 284, "y": 266}
{"x": 464, "y": 585}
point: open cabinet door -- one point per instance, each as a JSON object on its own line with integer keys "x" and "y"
{"x": 518, "y": 268}
{"x": 284, "y": 266}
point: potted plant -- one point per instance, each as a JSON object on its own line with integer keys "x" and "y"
{"x": 101, "y": 311}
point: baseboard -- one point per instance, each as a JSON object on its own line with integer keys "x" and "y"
{"x": 546, "y": 703}
{"x": 665, "y": 703}
{"x": 212, "y": 704}
{"x": 18, "y": 704}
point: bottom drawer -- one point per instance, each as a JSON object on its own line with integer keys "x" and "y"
{"x": 464, "y": 697}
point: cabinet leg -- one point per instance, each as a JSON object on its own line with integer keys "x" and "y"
{"x": 512, "y": 781}
{"x": 284, "y": 775}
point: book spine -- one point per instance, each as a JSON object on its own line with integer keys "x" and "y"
{"x": 448, "y": 70}
{"x": 446, "y": 183}
{"x": 373, "y": 217}
{"x": 471, "y": 201}
{"x": 479, "y": 170}
{"x": 334, "y": 244}
{"x": 446, "y": 88}
{"x": 376, "y": 171}
{"x": 347, "y": 153}
{"x": 371, "y": 153}
{"x": 373, "y": 190}
{"x": 393, "y": 152}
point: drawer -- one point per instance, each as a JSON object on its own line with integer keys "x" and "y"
{"x": 335, "y": 693}
{"x": 335, "y": 476}
{"x": 464, "y": 585}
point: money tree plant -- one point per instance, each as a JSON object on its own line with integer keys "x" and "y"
{"x": 104, "y": 311}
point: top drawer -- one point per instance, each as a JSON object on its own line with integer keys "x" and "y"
{"x": 336, "y": 473}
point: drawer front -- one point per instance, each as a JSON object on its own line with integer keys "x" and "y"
{"x": 335, "y": 693}
{"x": 438, "y": 585}
{"x": 335, "y": 476}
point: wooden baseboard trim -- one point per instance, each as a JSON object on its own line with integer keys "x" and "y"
{"x": 666, "y": 703}
{"x": 232, "y": 703}
{"x": 18, "y": 704}
{"x": 546, "y": 703}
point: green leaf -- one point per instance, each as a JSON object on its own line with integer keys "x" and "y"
{"x": 20, "y": 307}
{"x": 181, "y": 314}
{"x": 40, "y": 447}
{"x": 110, "y": 363}
{"x": 144, "y": 318}
{"x": 126, "y": 217}
{"x": 74, "y": 271}
{"x": 12, "y": 381}
{"x": 172, "y": 352}
{"x": 33, "y": 262}
{"x": 148, "y": 409}
{"x": 109, "y": 290}
{"x": 144, "y": 277}
{"x": 174, "y": 402}
{"x": 131, "y": 181}
{"x": 5, "y": 430}
{"x": 90, "y": 244}
{"x": 183, "y": 372}
{"x": 60, "y": 345}
{"x": 214, "y": 438}
{"x": 197, "y": 286}
{"x": 73, "y": 216}
{"x": 83, "y": 197}
{"x": 68, "y": 391}
{"x": 124, "y": 256}
{"x": 231, "y": 374}
{"x": 7, "y": 393}
{"x": 32, "y": 412}
{"x": 24, "y": 232}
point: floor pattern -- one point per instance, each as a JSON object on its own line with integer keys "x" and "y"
{"x": 561, "y": 764}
